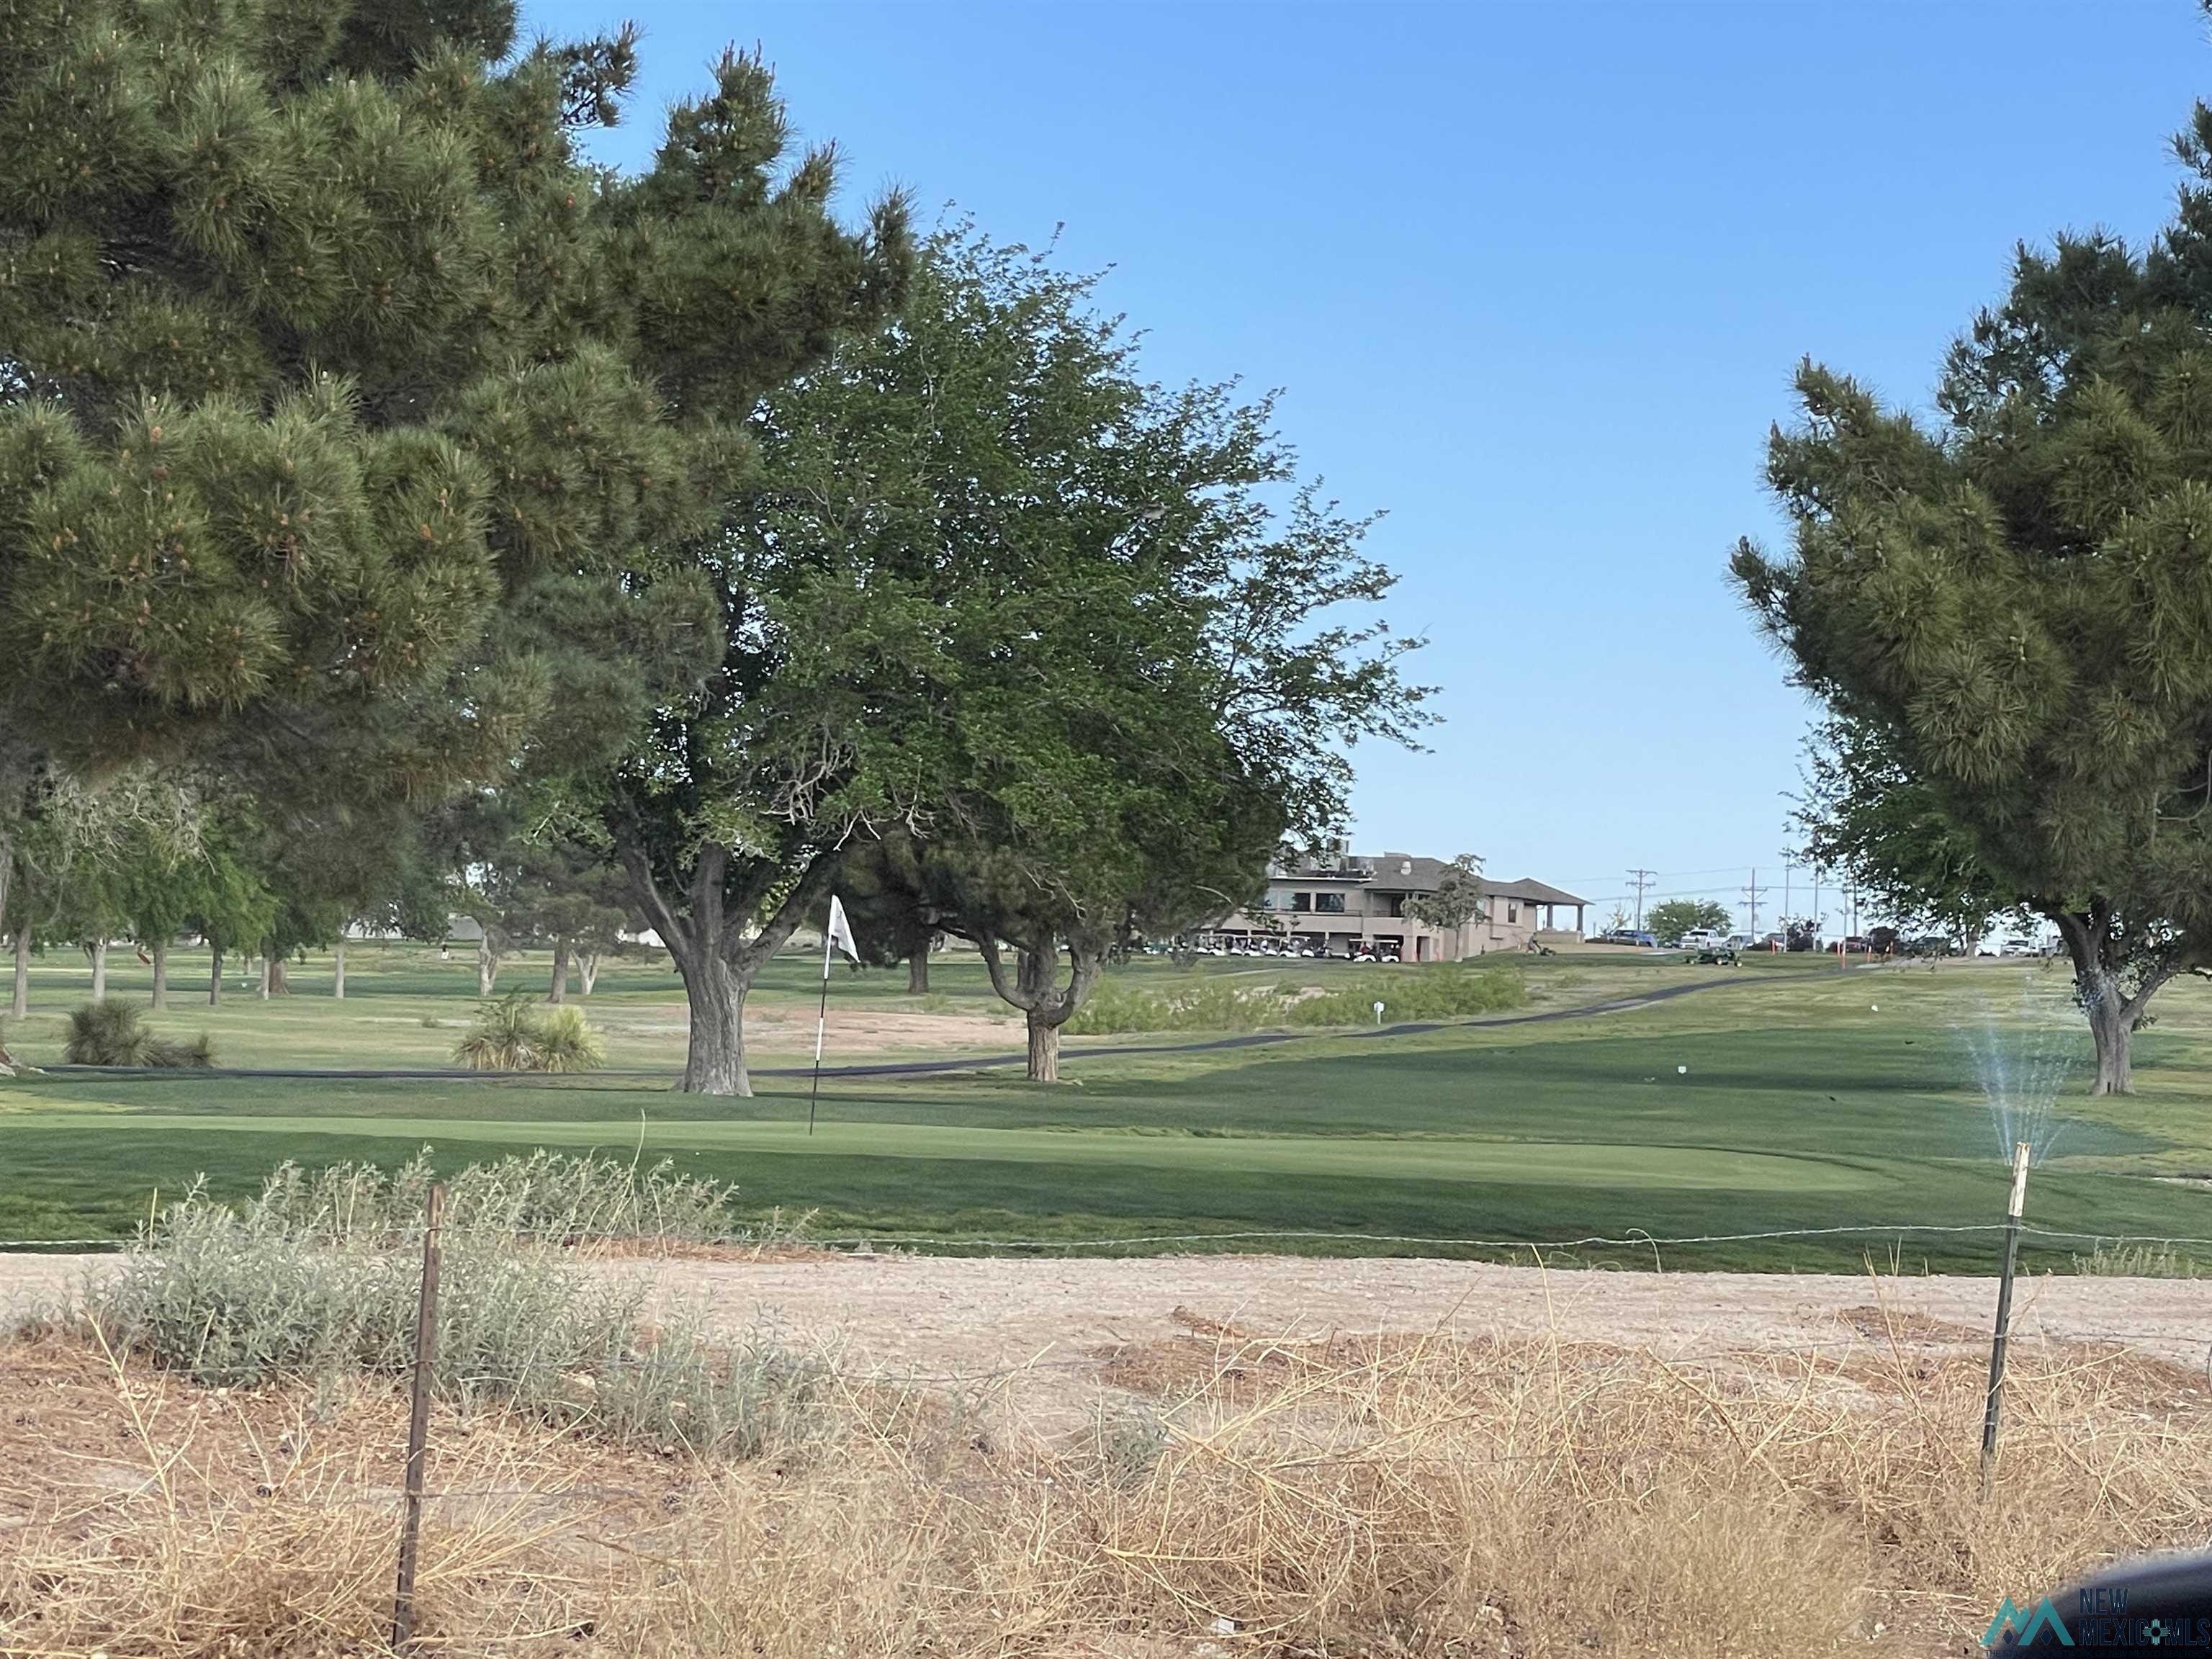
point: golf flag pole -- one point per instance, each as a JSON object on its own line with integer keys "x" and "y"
{"x": 837, "y": 937}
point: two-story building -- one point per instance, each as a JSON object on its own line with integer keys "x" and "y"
{"x": 1343, "y": 905}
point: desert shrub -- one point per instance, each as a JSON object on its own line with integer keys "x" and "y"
{"x": 246, "y": 1298}
{"x": 115, "y": 1034}
{"x": 515, "y": 1033}
{"x": 550, "y": 1196}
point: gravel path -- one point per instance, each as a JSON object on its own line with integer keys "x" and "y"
{"x": 952, "y": 1317}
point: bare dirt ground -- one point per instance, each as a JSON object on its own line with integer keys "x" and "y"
{"x": 1059, "y": 1324}
{"x": 772, "y": 1028}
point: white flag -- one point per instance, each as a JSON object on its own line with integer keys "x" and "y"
{"x": 840, "y": 937}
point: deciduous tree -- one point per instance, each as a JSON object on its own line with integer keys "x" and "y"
{"x": 1456, "y": 900}
{"x": 1666, "y": 923}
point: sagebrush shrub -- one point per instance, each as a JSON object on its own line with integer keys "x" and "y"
{"x": 319, "y": 1278}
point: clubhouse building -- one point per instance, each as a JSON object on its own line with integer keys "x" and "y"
{"x": 1341, "y": 905}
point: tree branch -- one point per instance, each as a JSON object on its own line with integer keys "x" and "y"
{"x": 987, "y": 943}
{"x": 665, "y": 922}
{"x": 746, "y": 957}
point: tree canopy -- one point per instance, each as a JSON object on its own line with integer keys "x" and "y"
{"x": 2012, "y": 614}
{"x": 326, "y": 359}
{"x": 1668, "y": 920}
{"x": 1456, "y": 900}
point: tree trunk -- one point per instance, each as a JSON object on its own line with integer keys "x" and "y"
{"x": 1045, "y": 1047}
{"x": 714, "y": 1059}
{"x": 560, "y": 992}
{"x": 487, "y": 967}
{"x": 99, "y": 971}
{"x": 917, "y": 973}
{"x": 20, "y": 1008}
{"x": 1036, "y": 991}
{"x": 588, "y": 971}
{"x": 338, "y": 970}
{"x": 160, "y": 973}
{"x": 214, "y": 975}
{"x": 2112, "y": 1026}
{"x": 2112, "y": 1014}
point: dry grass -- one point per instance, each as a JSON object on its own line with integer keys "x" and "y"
{"x": 1406, "y": 1495}
{"x": 142, "y": 1516}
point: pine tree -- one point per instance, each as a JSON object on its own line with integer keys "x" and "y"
{"x": 330, "y": 370}
{"x": 2013, "y": 614}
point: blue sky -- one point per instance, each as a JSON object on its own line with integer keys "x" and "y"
{"x": 1533, "y": 278}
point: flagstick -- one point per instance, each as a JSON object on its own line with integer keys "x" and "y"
{"x": 821, "y": 1017}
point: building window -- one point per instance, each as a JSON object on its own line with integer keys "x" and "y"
{"x": 1301, "y": 901}
{"x": 1329, "y": 903}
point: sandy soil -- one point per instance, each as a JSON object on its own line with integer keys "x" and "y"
{"x": 849, "y": 1031}
{"x": 1059, "y": 1323}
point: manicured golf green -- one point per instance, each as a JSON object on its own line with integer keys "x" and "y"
{"x": 1781, "y": 1096}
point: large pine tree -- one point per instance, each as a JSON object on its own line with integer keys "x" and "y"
{"x": 2010, "y": 615}
{"x": 331, "y": 375}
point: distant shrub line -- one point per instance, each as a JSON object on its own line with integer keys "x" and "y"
{"x": 1440, "y": 992}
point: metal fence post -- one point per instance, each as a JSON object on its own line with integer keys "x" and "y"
{"x": 1995, "y": 1401}
{"x": 418, "y": 1421}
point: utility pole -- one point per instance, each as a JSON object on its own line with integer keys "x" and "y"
{"x": 1643, "y": 879}
{"x": 1752, "y": 895}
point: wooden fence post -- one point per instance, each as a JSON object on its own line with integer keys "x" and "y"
{"x": 1995, "y": 1402}
{"x": 418, "y": 1421}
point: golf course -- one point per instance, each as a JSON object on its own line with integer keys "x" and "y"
{"x": 1621, "y": 1099}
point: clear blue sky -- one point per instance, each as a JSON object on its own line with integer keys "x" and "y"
{"x": 1534, "y": 277}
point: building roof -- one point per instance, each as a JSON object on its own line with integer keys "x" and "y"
{"x": 1406, "y": 872}
{"x": 1529, "y": 890}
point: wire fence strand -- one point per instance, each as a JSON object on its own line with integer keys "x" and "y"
{"x": 1632, "y": 1239}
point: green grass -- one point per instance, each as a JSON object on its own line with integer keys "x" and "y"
{"x": 1811, "y": 1098}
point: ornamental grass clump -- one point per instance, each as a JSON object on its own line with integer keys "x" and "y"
{"x": 513, "y": 1033}
{"x": 115, "y": 1034}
